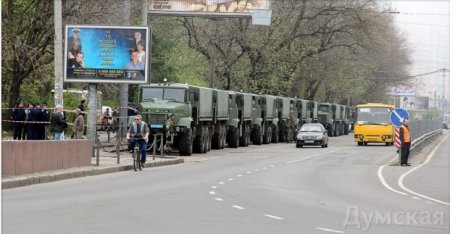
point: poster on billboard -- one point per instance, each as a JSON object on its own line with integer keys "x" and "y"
{"x": 226, "y": 8}
{"x": 405, "y": 89}
{"x": 414, "y": 103}
{"x": 107, "y": 54}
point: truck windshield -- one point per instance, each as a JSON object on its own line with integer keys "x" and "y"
{"x": 324, "y": 108}
{"x": 373, "y": 115}
{"x": 163, "y": 94}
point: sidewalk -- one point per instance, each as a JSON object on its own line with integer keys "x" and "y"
{"x": 107, "y": 164}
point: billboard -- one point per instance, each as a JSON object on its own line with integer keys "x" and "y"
{"x": 226, "y": 8}
{"x": 107, "y": 54}
{"x": 405, "y": 89}
{"x": 414, "y": 103}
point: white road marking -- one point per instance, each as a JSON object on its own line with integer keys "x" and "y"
{"x": 417, "y": 198}
{"x": 249, "y": 172}
{"x": 272, "y": 166}
{"x": 256, "y": 170}
{"x": 219, "y": 199}
{"x": 238, "y": 207}
{"x": 230, "y": 179}
{"x": 212, "y": 192}
{"x": 429, "y": 202}
{"x": 239, "y": 175}
{"x": 272, "y": 216}
{"x": 383, "y": 181}
{"x": 265, "y": 168}
{"x": 402, "y": 177}
{"x": 221, "y": 182}
{"x": 213, "y": 187}
{"x": 329, "y": 230}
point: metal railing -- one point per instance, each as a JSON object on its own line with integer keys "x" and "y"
{"x": 419, "y": 128}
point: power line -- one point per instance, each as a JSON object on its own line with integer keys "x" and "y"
{"x": 408, "y": 77}
{"x": 420, "y": 24}
{"x": 420, "y": 13}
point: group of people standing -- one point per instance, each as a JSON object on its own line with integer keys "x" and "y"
{"x": 30, "y": 123}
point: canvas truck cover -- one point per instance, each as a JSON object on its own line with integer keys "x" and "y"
{"x": 247, "y": 112}
{"x": 222, "y": 104}
{"x": 205, "y": 103}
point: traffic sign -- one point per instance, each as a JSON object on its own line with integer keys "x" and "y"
{"x": 398, "y": 115}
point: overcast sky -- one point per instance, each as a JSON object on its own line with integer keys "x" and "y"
{"x": 426, "y": 25}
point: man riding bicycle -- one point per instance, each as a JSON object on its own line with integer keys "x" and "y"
{"x": 138, "y": 133}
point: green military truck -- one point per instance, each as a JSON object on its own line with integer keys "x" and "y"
{"x": 333, "y": 118}
{"x": 199, "y": 115}
{"x": 283, "y": 126}
{"x": 240, "y": 119}
{"x": 308, "y": 111}
{"x": 264, "y": 119}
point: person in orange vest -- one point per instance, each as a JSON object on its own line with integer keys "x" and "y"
{"x": 405, "y": 139}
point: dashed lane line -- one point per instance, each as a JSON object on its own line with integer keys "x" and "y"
{"x": 273, "y": 216}
{"x": 329, "y": 230}
{"x": 238, "y": 207}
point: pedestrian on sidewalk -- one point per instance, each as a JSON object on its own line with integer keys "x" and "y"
{"x": 78, "y": 125}
{"x": 405, "y": 139}
{"x": 59, "y": 123}
{"x": 20, "y": 116}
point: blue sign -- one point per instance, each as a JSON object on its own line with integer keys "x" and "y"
{"x": 156, "y": 126}
{"x": 398, "y": 115}
{"x": 107, "y": 54}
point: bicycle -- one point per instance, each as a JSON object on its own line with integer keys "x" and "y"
{"x": 137, "y": 158}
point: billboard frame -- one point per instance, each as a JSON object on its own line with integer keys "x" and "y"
{"x": 148, "y": 52}
{"x": 205, "y": 14}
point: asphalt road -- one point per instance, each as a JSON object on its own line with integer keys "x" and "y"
{"x": 258, "y": 189}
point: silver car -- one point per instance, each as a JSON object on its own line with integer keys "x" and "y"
{"x": 312, "y": 134}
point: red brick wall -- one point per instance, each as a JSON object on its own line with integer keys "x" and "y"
{"x": 25, "y": 157}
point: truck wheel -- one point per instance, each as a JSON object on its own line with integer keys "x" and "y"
{"x": 275, "y": 134}
{"x": 199, "y": 142}
{"x": 208, "y": 139}
{"x": 247, "y": 136}
{"x": 185, "y": 143}
{"x": 345, "y": 129}
{"x": 223, "y": 136}
{"x": 330, "y": 130}
{"x": 257, "y": 140}
{"x": 243, "y": 138}
{"x": 216, "y": 137}
{"x": 234, "y": 138}
{"x": 360, "y": 143}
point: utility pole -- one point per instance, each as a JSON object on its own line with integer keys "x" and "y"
{"x": 58, "y": 59}
{"x": 123, "y": 109}
{"x": 213, "y": 43}
{"x": 443, "y": 91}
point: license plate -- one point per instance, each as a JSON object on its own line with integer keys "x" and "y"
{"x": 156, "y": 126}
{"x": 309, "y": 141}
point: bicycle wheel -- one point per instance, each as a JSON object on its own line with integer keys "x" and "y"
{"x": 136, "y": 159}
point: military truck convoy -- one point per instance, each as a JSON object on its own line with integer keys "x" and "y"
{"x": 198, "y": 119}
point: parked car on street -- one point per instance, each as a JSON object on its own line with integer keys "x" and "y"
{"x": 312, "y": 134}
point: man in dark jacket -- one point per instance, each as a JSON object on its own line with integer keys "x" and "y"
{"x": 59, "y": 123}
{"x": 19, "y": 115}
{"x": 31, "y": 119}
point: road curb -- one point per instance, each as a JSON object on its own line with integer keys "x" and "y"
{"x": 56, "y": 176}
